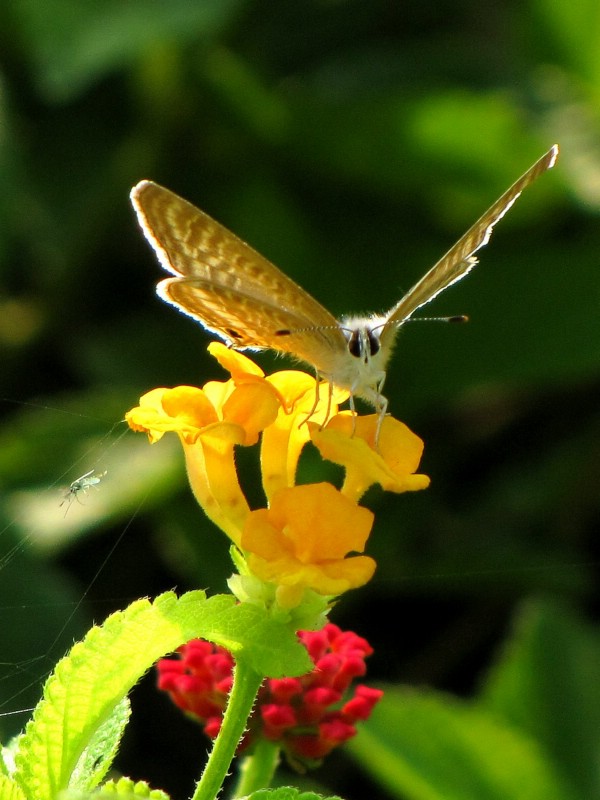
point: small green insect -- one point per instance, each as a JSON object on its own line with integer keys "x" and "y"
{"x": 80, "y": 486}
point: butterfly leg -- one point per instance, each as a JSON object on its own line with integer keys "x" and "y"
{"x": 381, "y": 408}
{"x": 352, "y": 405}
{"x": 316, "y": 402}
{"x": 329, "y": 402}
{"x": 381, "y": 411}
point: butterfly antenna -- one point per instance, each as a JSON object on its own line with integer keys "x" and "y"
{"x": 292, "y": 331}
{"x": 400, "y": 323}
{"x": 454, "y": 318}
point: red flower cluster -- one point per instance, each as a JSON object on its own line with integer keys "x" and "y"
{"x": 308, "y": 716}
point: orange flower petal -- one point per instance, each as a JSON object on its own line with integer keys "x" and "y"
{"x": 320, "y": 521}
{"x": 238, "y": 365}
{"x": 212, "y": 475}
{"x": 350, "y": 441}
{"x": 253, "y": 407}
{"x": 184, "y": 410}
{"x": 304, "y": 537}
{"x": 283, "y": 441}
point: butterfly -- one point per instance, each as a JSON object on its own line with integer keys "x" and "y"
{"x": 239, "y": 295}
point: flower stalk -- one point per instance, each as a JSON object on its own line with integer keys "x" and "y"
{"x": 257, "y": 770}
{"x": 246, "y": 684}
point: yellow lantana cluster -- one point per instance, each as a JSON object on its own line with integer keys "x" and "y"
{"x": 309, "y": 537}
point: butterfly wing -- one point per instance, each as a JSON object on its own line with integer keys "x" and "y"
{"x": 460, "y": 259}
{"x": 229, "y": 287}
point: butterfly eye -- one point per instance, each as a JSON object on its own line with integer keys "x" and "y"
{"x": 374, "y": 344}
{"x": 363, "y": 343}
{"x": 355, "y": 345}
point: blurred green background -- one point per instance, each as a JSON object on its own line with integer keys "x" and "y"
{"x": 351, "y": 143}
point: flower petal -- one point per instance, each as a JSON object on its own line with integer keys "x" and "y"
{"x": 303, "y": 539}
{"x": 184, "y": 410}
{"x": 303, "y": 398}
{"x": 350, "y": 441}
{"x": 238, "y": 365}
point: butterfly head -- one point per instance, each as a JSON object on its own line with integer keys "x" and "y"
{"x": 369, "y": 339}
{"x": 368, "y": 348}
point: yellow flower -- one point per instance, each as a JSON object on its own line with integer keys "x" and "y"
{"x": 185, "y": 410}
{"x": 303, "y": 539}
{"x": 209, "y": 422}
{"x": 350, "y": 441}
{"x": 308, "y": 543}
{"x": 303, "y": 398}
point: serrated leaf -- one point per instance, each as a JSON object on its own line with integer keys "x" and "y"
{"x": 96, "y": 759}
{"x": 287, "y": 793}
{"x": 87, "y": 685}
{"x": 247, "y": 631}
{"x": 431, "y": 746}
{"x": 124, "y": 788}
{"x": 9, "y": 789}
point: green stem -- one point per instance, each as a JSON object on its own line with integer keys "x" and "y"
{"x": 246, "y": 684}
{"x": 257, "y": 770}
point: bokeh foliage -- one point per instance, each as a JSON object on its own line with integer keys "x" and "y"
{"x": 351, "y": 143}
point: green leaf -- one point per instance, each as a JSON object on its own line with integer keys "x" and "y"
{"x": 9, "y": 789}
{"x": 246, "y": 630}
{"x": 124, "y": 788}
{"x": 429, "y": 746}
{"x": 547, "y": 684}
{"x": 96, "y": 759}
{"x": 288, "y": 793}
{"x": 79, "y": 709}
{"x": 74, "y": 44}
{"x": 570, "y": 33}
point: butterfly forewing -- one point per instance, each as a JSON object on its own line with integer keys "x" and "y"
{"x": 229, "y": 287}
{"x": 460, "y": 259}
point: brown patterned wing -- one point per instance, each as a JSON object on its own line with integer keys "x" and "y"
{"x": 229, "y": 287}
{"x": 460, "y": 259}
